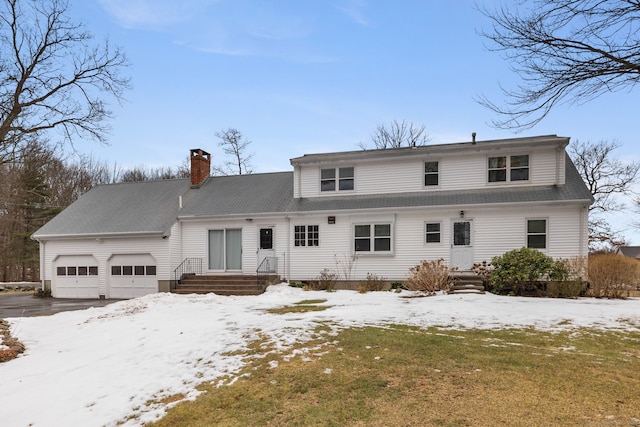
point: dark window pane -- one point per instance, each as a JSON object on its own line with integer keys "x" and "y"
{"x": 151, "y": 270}
{"x": 433, "y": 237}
{"x": 363, "y": 230}
{"x": 382, "y": 244}
{"x": 537, "y": 241}
{"x": 536, "y": 226}
{"x": 299, "y": 235}
{"x": 519, "y": 174}
{"x": 328, "y": 185}
{"x": 433, "y": 227}
{"x": 116, "y": 270}
{"x": 83, "y": 271}
{"x": 127, "y": 270}
{"x": 346, "y": 184}
{"x": 461, "y": 233}
{"x": 381, "y": 230}
{"x": 93, "y": 271}
{"x": 327, "y": 174}
{"x": 519, "y": 161}
{"x": 266, "y": 238}
{"x": 346, "y": 173}
{"x": 313, "y": 235}
{"x": 139, "y": 270}
{"x": 363, "y": 245}
{"x": 431, "y": 167}
{"x": 61, "y": 271}
{"x": 431, "y": 179}
{"x": 497, "y": 175}
{"x": 71, "y": 271}
{"x": 497, "y": 162}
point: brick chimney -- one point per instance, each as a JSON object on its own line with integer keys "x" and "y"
{"x": 200, "y": 167}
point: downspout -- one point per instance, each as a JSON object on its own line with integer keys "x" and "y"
{"x": 42, "y": 269}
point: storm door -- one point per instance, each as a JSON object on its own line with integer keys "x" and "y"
{"x": 462, "y": 244}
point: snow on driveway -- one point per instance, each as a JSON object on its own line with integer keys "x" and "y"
{"x": 100, "y": 366}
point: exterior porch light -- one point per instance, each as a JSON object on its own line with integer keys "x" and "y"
{"x": 461, "y": 214}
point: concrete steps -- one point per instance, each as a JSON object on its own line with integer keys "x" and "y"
{"x": 466, "y": 283}
{"x": 219, "y": 285}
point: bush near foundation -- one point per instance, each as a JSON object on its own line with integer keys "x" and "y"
{"x": 429, "y": 277}
{"x": 522, "y": 271}
{"x": 612, "y": 276}
{"x": 372, "y": 283}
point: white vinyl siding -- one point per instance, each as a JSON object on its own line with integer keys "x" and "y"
{"x": 454, "y": 173}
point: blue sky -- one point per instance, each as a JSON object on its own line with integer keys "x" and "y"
{"x": 307, "y": 76}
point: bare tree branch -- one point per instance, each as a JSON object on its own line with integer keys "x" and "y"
{"x": 234, "y": 144}
{"x": 564, "y": 51}
{"x": 51, "y": 77}
{"x": 397, "y": 135}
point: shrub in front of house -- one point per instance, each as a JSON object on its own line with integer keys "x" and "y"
{"x": 429, "y": 277}
{"x": 372, "y": 283}
{"x": 325, "y": 282}
{"x": 522, "y": 271}
{"x": 612, "y": 276}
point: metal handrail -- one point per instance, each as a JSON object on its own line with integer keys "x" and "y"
{"x": 188, "y": 266}
{"x": 268, "y": 266}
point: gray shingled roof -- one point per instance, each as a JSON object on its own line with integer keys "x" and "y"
{"x": 135, "y": 207}
{"x": 630, "y": 251}
{"x": 153, "y": 207}
{"x": 240, "y": 194}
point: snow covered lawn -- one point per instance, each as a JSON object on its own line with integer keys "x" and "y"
{"x": 99, "y": 366}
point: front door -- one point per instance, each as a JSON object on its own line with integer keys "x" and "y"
{"x": 462, "y": 244}
{"x": 266, "y": 251}
{"x": 225, "y": 249}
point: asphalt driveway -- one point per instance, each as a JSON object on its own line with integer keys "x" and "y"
{"x": 26, "y": 305}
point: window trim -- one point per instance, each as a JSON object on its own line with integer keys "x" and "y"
{"x": 508, "y": 169}
{"x": 425, "y": 173}
{"x": 372, "y": 238}
{"x": 338, "y": 179}
{"x": 306, "y": 236}
{"x": 427, "y": 232}
{"x": 527, "y": 234}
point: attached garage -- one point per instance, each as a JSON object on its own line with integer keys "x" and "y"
{"x": 75, "y": 276}
{"x": 132, "y": 275}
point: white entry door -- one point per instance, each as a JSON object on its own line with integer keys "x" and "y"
{"x": 462, "y": 244}
{"x": 266, "y": 250}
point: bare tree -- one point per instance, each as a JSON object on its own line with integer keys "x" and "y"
{"x": 52, "y": 76}
{"x": 234, "y": 144}
{"x": 563, "y": 51}
{"x": 397, "y": 135}
{"x": 607, "y": 178}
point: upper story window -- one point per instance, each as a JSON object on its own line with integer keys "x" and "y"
{"x": 509, "y": 168}
{"x": 430, "y": 173}
{"x": 337, "y": 178}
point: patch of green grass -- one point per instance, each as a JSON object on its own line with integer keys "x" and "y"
{"x": 297, "y": 309}
{"x": 310, "y": 301}
{"x": 400, "y": 376}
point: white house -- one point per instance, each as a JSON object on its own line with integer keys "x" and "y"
{"x": 349, "y": 213}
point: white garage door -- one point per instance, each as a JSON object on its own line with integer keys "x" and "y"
{"x": 132, "y": 276}
{"x": 75, "y": 276}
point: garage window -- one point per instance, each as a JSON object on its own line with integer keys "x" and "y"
{"x": 71, "y": 271}
{"x": 83, "y": 271}
{"x": 116, "y": 270}
{"x": 93, "y": 271}
{"x": 139, "y": 270}
{"x": 127, "y": 270}
{"x": 151, "y": 270}
{"x": 61, "y": 271}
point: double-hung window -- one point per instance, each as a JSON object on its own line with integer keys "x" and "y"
{"x": 373, "y": 238}
{"x": 508, "y": 168}
{"x": 432, "y": 232}
{"x": 337, "y": 178}
{"x": 430, "y": 174}
{"x": 537, "y": 233}
{"x": 306, "y": 235}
